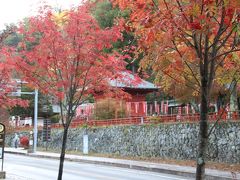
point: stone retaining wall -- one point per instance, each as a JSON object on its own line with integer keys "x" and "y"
{"x": 177, "y": 141}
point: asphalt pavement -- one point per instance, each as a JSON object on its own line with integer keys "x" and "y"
{"x": 37, "y": 168}
{"x": 185, "y": 171}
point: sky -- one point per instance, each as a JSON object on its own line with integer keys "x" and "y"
{"x": 13, "y": 11}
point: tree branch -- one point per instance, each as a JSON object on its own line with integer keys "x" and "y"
{"x": 198, "y": 82}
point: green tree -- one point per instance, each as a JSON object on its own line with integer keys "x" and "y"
{"x": 106, "y": 15}
{"x": 13, "y": 39}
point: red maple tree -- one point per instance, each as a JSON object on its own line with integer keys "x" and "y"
{"x": 65, "y": 57}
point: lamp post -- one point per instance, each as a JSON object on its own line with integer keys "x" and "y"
{"x": 35, "y": 131}
{"x": 35, "y": 93}
{"x": 35, "y": 121}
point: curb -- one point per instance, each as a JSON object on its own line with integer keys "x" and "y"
{"x": 128, "y": 166}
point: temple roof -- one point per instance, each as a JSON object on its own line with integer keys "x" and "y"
{"x": 131, "y": 81}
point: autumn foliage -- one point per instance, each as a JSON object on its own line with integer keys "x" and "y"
{"x": 7, "y": 83}
{"x": 189, "y": 45}
{"x": 63, "y": 54}
{"x": 68, "y": 55}
{"x": 172, "y": 36}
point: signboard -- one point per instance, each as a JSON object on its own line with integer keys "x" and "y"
{"x": 46, "y": 133}
{"x": 31, "y": 142}
{"x": 2, "y": 142}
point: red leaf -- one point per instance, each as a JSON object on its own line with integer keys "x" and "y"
{"x": 195, "y": 25}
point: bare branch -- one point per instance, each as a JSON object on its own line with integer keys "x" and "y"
{"x": 193, "y": 74}
{"x": 225, "y": 54}
{"x": 221, "y": 29}
{"x": 225, "y": 40}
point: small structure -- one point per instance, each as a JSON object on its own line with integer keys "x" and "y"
{"x": 137, "y": 88}
{"x": 130, "y": 90}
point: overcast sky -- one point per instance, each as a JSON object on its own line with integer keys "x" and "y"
{"x": 13, "y": 11}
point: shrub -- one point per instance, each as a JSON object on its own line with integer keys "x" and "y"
{"x": 24, "y": 142}
{"x": 55, "y": 118}
{"x": 109, "y": 109}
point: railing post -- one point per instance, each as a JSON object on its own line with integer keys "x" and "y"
{"x": 142, "y": 120}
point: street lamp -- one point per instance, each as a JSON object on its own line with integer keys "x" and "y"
{"x": 35, "y": 122}
{"x": 35, "y": 131}
{"x": 35, "y": 93}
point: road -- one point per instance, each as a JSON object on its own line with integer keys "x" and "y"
{"x": 20, "y": 167}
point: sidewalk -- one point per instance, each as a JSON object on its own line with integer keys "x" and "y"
{"x": 185, "y": 171}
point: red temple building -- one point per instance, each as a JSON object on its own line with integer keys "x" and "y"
{"x": 135, "y": 104}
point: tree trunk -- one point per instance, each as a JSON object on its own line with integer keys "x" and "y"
{"x": 203, "y": 133}
{"x": 62, "y": 156}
